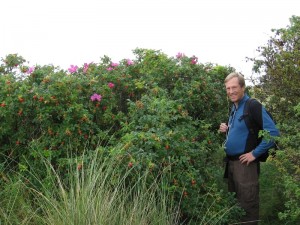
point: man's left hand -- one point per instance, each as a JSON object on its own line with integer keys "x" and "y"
{"x": 247, "y": 158}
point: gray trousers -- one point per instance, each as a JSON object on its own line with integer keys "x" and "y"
{"x": 243, "y": 180}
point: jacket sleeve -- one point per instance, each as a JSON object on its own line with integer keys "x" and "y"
{"x": 268, "y": 125}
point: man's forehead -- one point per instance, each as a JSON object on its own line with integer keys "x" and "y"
{"x": 232, "y": 82}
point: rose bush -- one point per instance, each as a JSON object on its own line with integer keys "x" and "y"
{"x": 162, "y": 112}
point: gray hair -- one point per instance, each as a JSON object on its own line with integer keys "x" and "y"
{"x": 240, "y": 77}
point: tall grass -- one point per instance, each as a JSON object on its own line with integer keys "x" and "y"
{"x": 97, "y": 193}
{"x": 14, "y": 206}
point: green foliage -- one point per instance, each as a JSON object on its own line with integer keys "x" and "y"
{"x": 288, "y": 164}
{"x": 270, "y": 193}
{"x": 15, "y": 207}
{"x": 94, "y": 193}
{"x": 11, "y": 62}
{"x": 279, "y": 67}
{"x": 279, "y": 64}
{"x": 161, "y": 136}
{"x": 155, "y": 113}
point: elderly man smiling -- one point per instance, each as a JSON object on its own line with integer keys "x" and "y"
{"x": 243, "y": 153}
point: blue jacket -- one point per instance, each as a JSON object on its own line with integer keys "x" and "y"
{"x": 238, "y": 132}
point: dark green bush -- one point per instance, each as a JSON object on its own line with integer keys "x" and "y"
{"x": 161, "y": 112}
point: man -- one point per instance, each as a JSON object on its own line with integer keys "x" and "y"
{"x": 243, "y": 164}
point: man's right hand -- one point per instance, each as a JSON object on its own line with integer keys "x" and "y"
{"x": 223, "y": 128}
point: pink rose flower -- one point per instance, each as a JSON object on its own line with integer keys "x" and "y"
{"x": 111, "y": 85}
{"x": 96, "y": 97}
{"x": 73, "y": 69}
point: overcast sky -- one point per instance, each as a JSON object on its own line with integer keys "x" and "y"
{"x": 65, "y": 32}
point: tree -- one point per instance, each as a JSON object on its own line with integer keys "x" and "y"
{"x": 279, "y": 67}
{"x": 279, "y": 86}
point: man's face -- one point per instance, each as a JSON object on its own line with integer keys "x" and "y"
{"x": 234, "y": 91}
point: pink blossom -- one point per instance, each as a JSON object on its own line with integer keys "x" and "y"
{"x": 179, "y": 55}
{"x": 109, "y": 69}
{"x": 114, "y": 64}
{"x": 96, "y": 97}
{"x": 73, "y": 69}
{"x": 194, "y": 60}
{"x": 85, "y": 67}
{"x": 111, "y": 85}
{"x": 129, "y": 62}
{"x": 30, "y": 70}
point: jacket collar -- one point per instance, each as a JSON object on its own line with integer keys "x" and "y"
{"x": 242, "y": 101}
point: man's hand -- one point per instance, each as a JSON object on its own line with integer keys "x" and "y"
{"x": 247, "y": 158}
{"x": 223, "y": 128}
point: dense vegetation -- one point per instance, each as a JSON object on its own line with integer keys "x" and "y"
{"x": 279, "y": 88}
{"x": 146, "y": 128}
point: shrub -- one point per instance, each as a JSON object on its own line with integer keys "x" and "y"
{"x": 156, "y": 112}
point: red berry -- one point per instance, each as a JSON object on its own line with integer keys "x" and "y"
{"x": 130, "y": 164}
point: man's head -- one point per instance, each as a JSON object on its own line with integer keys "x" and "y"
{"x": 235, "y": 87}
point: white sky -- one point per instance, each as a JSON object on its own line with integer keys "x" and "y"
{"x": 65, "y": 32}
